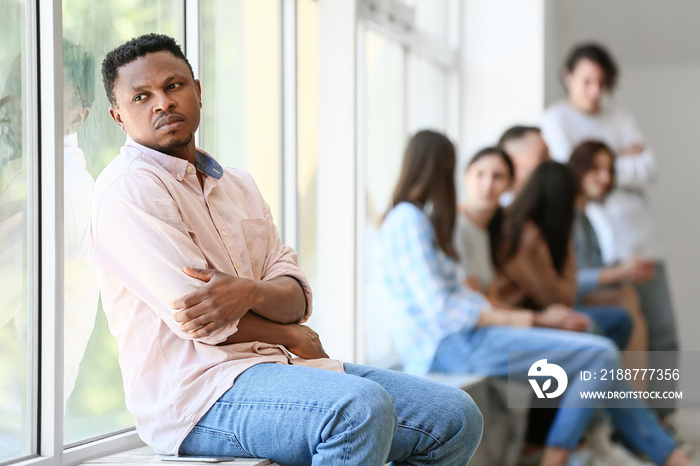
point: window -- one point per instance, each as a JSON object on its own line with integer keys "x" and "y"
{"x": 18, "y": 250}
{"x": 241, "y": 90}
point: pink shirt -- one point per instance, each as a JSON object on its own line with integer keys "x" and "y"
{"x": 151, "y": 217}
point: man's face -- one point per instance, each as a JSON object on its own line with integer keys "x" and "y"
{"x": 158, "y": 103}
{"x": 527, "y": 153}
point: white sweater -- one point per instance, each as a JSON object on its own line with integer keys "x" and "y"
{"x": 624, "y": 223}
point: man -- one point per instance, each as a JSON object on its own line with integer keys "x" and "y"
{"x": 527, "y": 149}
{"x": 206, "y": 304}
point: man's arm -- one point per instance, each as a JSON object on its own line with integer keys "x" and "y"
{"x": 225, "y": 298}
{"x": 298, "y": 339}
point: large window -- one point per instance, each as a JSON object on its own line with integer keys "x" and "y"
{"x": 17, "y": 242}
{"x": 241, "y": 90}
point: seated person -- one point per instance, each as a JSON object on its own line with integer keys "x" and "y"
{"x": 489, "y": 174}
{"x": 535, "y": 262}
{"x": 593, "y": 163}
{"x": 441, "y": 325}
{"x": 206, "y": 304}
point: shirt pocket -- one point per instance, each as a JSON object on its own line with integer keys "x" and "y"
{"x": 257, "y": 234}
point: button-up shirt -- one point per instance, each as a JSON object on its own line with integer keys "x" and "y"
{"x": 150, "y": 217}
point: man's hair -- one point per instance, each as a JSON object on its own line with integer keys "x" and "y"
{"x": 515, "y": 133}
{"x": 79, "y": 70}
{"x": 597, "y": 54}
{"x": 131, "y": 51}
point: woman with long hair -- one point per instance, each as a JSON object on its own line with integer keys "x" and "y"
{"x": 534, "y": 257}
{"x": 593, "y": 164}
{"x": 443, "y": 326}
{"x": 488, "y": 175}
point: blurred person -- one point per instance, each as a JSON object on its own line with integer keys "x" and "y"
{"x": 489, "y": 174}
{"x": 441, "y": 325}
{"x": 623, "y": 221}
{"x": 534, "y": 258}
{"x": 593, "y": 163}
{"x": 527, "y": 149}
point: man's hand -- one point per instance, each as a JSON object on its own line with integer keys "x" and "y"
{"x": 561, "y": 317}
{"x": 304, "y": 342}
{"x": 222, "y": 300}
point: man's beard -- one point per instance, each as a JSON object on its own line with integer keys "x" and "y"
{"x": 174, "y": 145}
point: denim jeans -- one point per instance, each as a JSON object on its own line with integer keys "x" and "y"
{"x": 609, "y": 321}
{"x": 298, "y": 415}
{"x": 485, "y": 351}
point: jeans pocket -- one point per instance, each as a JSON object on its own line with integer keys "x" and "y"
{"x": 202, "y": 441}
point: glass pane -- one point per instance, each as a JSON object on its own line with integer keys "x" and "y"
{"x": 307, "y": 126}
{"x": 430, "y": 17}
{"x": 241, "y": 90}
{"x": 383, "y": 128}
{"x": 92, "y": 378}
{"x": 426, "y": 96}
{"x": 17, "y": 210}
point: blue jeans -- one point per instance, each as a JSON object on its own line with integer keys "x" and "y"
{"x": 609, "y": 321}
{"x": 367, "y": 416}
{"x": 485, "y": 351}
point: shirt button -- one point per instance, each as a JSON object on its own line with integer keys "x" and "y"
{"x": 238, "y": 265}
{"x": 224, "y": 233}
{"x": 179, "y": 176}
{"x": 189, "y": 169}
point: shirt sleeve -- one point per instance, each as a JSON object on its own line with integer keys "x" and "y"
{"x": 442, "y": 309}
{"x": 634, "y": 171}
{"x": 588, "y": 280}
{"x": 140, "y": 239}
{"x": 555, "y": 135}
{"x": 281, "y": 260}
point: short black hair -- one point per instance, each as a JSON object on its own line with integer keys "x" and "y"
{"x": 132, "y": 50}
{"x": 516, "y": 132}
{"x": 597, "y": 54}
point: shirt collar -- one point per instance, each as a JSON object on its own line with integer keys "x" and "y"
{"x": 177, "y": 167}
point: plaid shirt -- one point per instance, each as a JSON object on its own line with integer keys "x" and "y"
{"x": 423, "y": 289}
